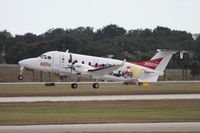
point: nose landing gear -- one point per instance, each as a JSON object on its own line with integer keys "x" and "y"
{"x": 20, "y": 77}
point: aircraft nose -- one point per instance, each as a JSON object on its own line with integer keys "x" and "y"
{"x": 21, "y": 63}
{"x": 30, "y": 63}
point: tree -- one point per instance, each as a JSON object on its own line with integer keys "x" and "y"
{"x": 5, "y": 38}
{"x": 108, "y": 40}
{"x": 30, "y": 38}
{"x": 195, "y": 69}
{"x": 110, "y": 31}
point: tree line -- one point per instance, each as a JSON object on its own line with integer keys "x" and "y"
{"x": 133, "y": 45}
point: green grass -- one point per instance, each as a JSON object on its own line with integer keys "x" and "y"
{"x": 145, "y": 132}
{"x": 105, "y": 89}
{"x": 100, "y": 112}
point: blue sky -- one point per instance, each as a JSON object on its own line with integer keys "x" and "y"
{"x": 37, "y": 16}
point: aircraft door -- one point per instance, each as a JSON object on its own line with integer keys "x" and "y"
{"x": 56, "y": 61}
{"x": 62, "y": 61}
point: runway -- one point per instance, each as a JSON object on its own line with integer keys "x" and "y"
{"x": 109, "y": 127}
{"x": 56, "y": 83}
{"x": 69, "y": 83}
{"x": 98, "y": 98}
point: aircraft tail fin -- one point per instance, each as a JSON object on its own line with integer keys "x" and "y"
{"x": 159, "y": 61}
{"x": 166, "y": 55}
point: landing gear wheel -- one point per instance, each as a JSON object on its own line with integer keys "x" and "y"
{"x": 95, "y": 85}
{"x": 74, "y": 85}
{"x": 20, "y": 77}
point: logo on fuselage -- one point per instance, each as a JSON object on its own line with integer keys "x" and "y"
{"x": 45, "y": 64}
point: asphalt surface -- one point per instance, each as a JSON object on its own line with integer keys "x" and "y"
{"x": 56, "y": 83}
{"x": 98, "y": 98}
{"x": 64, "y": 83}
{"x": 109, "y": 127}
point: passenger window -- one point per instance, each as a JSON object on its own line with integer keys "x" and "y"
{"x": 83, "y": 62}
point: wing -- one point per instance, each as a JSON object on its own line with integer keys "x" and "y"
{"x": 105, "y": 70}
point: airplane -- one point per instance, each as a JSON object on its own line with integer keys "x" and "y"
{"x": 98, "y": 68}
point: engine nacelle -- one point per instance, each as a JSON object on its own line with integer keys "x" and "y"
{"x": 81, "y": 68}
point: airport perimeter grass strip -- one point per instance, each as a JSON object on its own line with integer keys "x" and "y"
{"x": 83, "y": 90}
{"x": 141, "y": 132}
{"x": 100, "y": 112}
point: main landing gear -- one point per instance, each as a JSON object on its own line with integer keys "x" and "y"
{"x": 75, "y": 85}
{"x": 95, "y": 85}
{"x": 20, "y": 77}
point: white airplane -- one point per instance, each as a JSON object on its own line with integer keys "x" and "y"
{"x": 98, "y": 68}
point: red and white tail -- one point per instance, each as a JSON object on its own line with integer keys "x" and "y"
{"x": 152, "y": 64}
{"x": 159, "y": 61}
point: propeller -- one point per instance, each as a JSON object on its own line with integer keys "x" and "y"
{"x": 71, "y": 66}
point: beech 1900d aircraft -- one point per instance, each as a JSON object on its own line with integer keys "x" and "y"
{"x": 66, "y": 63}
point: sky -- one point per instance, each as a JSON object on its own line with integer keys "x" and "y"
{"x": 38, "y": 16}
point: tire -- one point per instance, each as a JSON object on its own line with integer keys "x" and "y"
{"x": 49, "y": 84}
{"x": 95, "y": 85}
{"x": 74, "y": 85}
{"x": 20, "y": 77}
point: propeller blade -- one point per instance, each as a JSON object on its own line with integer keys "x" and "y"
{"x": 70, "y": 58}
{"x": 74, "y": 62}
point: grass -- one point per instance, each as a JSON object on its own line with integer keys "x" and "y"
{"x": 99, "y": 112}
{"x": 145, "y": 132}
{"x": 105, "y": 89}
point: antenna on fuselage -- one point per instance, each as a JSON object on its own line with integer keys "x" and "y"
{"x": 67, "y": 51}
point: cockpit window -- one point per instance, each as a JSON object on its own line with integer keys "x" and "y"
{"x": 44, "y": 56}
